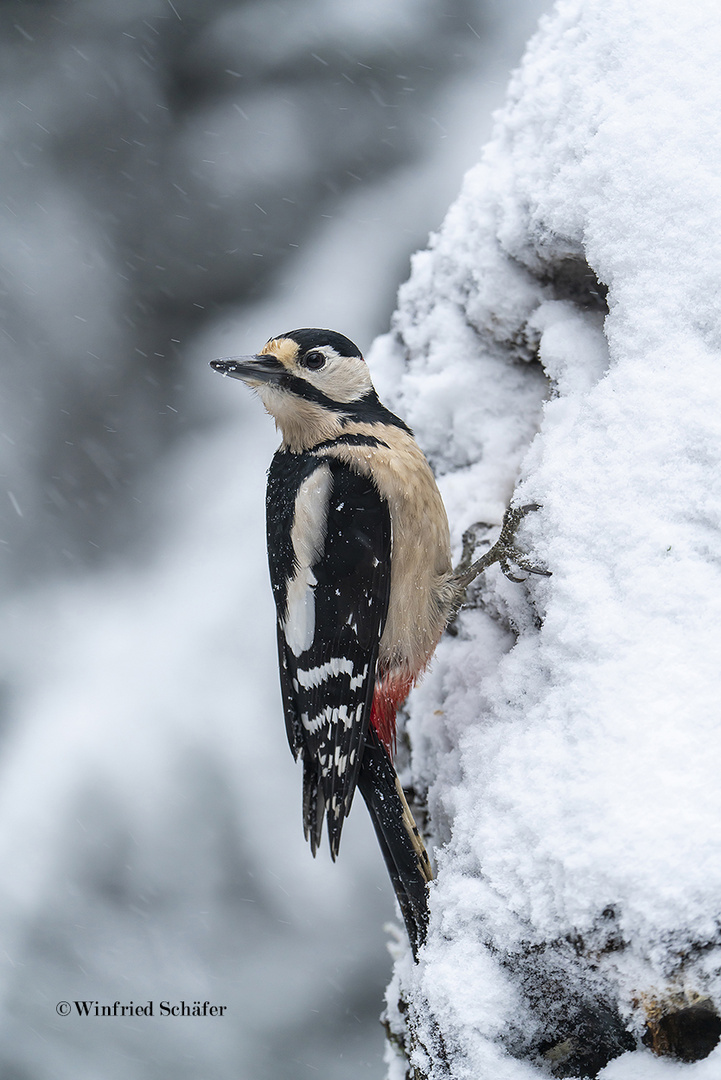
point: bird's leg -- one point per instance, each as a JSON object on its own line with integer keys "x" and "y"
{"x": 503, "y": 552}
{"x": 470, "y": 542}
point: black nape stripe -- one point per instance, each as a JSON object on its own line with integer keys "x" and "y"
{"x": 369, "y": 410}
{"x": 351, "y": 439}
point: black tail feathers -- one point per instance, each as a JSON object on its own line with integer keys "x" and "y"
{"x": 398, "y": 836}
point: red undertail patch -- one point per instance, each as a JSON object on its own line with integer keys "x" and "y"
{"x": 390, "y": 692}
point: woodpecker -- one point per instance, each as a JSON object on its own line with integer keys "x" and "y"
{"x": 360, "y": 567}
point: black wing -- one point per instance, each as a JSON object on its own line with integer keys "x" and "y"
{"x": 330, "y": 620}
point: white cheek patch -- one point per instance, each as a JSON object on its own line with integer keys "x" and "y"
{"x": 343, "y": 379}
{"x": 308, "y": 539}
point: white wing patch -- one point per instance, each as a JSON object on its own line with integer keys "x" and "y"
{"x": 299, "y": 625}
{"x": 308, "y": 539}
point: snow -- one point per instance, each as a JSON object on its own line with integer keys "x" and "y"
{"x": 568, "y": 737}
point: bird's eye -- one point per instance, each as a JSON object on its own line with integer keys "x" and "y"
{"x": 314, "y": 360}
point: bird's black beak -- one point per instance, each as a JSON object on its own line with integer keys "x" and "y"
{"x": 250, "y": 369}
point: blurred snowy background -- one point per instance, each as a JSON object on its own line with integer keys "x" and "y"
{"x": 181, "y": 180}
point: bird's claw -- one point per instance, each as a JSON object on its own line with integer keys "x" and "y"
{"x": 504, "y": 551}
{"x": 511, "y": 520}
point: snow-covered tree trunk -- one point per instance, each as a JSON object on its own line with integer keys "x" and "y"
{"x": 559, "y": 343}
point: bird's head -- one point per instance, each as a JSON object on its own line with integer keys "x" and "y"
{"x": 311, "y": 381}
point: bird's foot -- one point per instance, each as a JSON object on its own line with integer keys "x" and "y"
{"x": 504, "y": 552}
